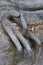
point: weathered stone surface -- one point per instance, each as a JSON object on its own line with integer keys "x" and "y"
{"x": 33, "y": 15}
{"x": 7, "y": 53}
{"x": 29, "y": 4}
